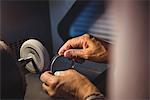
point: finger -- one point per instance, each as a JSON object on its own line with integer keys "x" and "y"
{"x": 60, "y": 73}
{"x": 45, "y": 87}
{"x": 72, "y": 43}
{"x": 50, "y": 80}
{"x": 76, "y": 53}
{"x": 48, "y": 89}
{"x": 46, "y": 77}
{"x": 64, "y": 73}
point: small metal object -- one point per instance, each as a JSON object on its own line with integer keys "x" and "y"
{"x": 24, "y": 61}
{"x": 69, "y": 62}
{"x": 53, "y": 61}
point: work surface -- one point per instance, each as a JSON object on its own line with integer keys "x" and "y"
{"x": 34, "y": 89}
{"x": 34, "y": 85}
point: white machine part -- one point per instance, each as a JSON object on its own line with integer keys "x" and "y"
{"x": 34, "y": 50}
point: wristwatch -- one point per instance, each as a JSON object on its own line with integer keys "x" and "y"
{"x": 95, "y": 96}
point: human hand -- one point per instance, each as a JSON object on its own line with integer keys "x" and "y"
{"x": 85, "y": 47}
{"x": 69, "y": 81}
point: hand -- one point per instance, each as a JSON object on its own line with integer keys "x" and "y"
{"x": 69, "y": 81}
{"x": 4, "y": 46}
{"x": 85, "y": 47}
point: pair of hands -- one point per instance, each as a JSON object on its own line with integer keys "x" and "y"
{"x": 70, "y": 81}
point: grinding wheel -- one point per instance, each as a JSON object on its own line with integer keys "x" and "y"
{"x": 34, "y": 49}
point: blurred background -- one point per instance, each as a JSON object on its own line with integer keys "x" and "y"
{"x": 52, "y": 22}
{"x": 38, "y": 19}
{"x": 121, "y": 23}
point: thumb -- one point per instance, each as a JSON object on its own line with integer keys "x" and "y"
{"x": 74, "y": 53}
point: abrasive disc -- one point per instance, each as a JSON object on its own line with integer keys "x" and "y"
{"x": 34, "y": 49}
